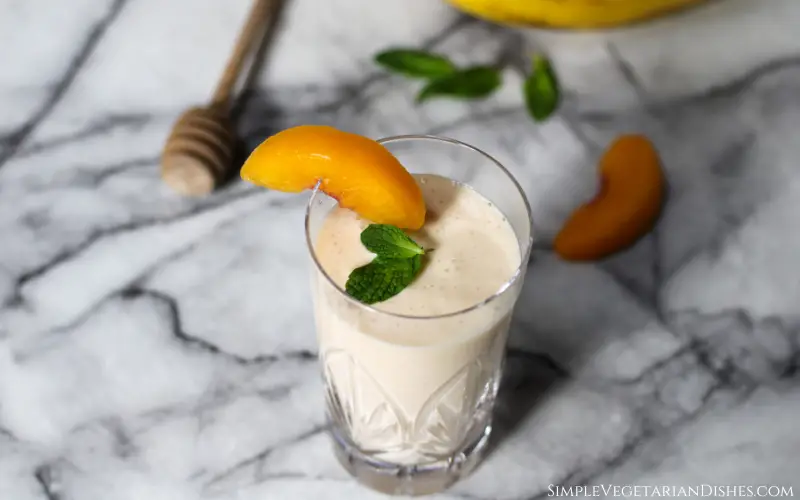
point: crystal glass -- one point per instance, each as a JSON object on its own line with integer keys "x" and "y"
{"x": 411, "y": 418}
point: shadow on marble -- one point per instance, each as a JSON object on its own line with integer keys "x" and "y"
{"x": 575, "y": 325}
{"x": 243, "y": 101}
{"x": 260, "y": 58}
{"x": 527, "y": 380}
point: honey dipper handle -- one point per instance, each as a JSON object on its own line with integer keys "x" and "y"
{"x": 255, "y": 26}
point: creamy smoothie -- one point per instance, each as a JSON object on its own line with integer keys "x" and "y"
{"x": 410, "y": 380}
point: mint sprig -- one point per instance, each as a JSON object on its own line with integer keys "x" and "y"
{"x": 397, "y": 262}
{"x": 540, "y": 89}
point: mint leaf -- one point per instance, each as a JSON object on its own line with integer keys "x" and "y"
{"x": 382, "y": 278}
{"x": 398, "y": 262}
{"x": 541, "y": 89}
{"x": 416, "y": 63}
{"x": 389, "y": 242}
{"x": 471, "y": 83}
{"x": 416, "y": 264}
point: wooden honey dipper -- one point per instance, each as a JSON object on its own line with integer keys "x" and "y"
{"x": 199, "y": 152}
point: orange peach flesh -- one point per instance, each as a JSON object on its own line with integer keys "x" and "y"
{"x": 358, "y": 172}
{"x": 626, "y": 207}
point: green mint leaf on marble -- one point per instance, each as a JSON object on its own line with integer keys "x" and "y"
{"x": 389, "y": 242}
{"x": 541, "y": 89}
{"x": 470, "y": 83}
{"x": 415, "y": 63}
{"x": 382, "y": 278}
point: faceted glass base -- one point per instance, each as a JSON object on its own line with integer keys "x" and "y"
{"x": 410, "y": 480}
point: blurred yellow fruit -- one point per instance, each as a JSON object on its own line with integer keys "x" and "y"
{"x": 570, "y": 13}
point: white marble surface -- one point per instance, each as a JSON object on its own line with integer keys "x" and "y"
{"x": 156, "y": 348}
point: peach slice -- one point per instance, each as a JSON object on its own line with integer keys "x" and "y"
{"x": 632, "y": 189}
{"x": 360, "y": 173}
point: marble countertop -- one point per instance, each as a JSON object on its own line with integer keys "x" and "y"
{"x": 160, "y": 348}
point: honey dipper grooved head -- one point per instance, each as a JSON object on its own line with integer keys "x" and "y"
{"x": 199, "y": 152}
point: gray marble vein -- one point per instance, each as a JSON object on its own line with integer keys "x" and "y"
{"x": 160, "y": 348}
{"x": 15, "y": 138}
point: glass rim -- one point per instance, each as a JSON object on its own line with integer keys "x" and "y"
{"x": 524, "y": 257}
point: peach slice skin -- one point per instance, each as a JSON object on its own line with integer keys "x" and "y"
{"x": 359, "y": 172}
{"x": 632, "y": 191}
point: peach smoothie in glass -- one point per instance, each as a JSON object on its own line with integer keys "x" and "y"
{"x": 418, "y": 247}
